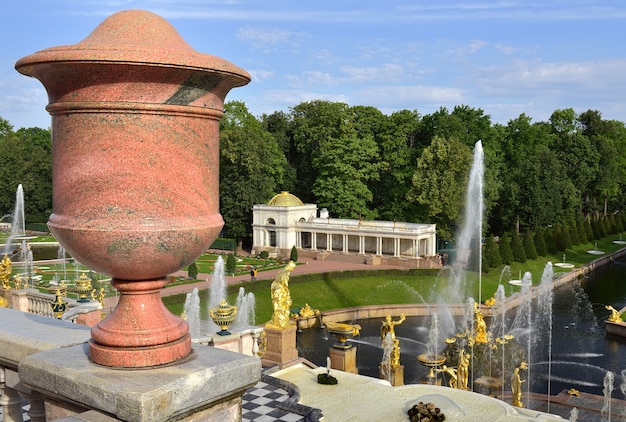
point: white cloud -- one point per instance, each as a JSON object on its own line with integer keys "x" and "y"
{"x": 410, "y": 96}
{"x": 261, "y": 75}
{"x": 268, "y": 39}
{"x": 387, "y": 71}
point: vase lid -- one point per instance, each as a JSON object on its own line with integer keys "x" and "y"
{"x": 134, "y": 36}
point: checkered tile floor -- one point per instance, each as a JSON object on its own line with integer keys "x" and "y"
{"x": 262, "y": 403}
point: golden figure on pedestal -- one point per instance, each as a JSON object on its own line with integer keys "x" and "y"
{"x": 452, "y": 373}
{"x": 616, "y": 316}
{"x": 389, "y": 326}
{"x": 281, "y": 298}
{"x": 5, "y": 272}
{"x": 516, "y": 385}
{"x": 463, "y": 370}
{"x": 480, "y": 327}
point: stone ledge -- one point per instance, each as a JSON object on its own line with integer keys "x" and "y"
{"x": 208, "y": 377}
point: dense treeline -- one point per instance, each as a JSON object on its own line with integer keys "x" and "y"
{"x": 357, "y": 162}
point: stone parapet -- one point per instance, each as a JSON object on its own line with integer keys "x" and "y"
{"x": 47, "y": 358}
{"x": 206, "y": 385}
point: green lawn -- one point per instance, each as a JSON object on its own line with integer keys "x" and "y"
{"x": 355, "y": 288}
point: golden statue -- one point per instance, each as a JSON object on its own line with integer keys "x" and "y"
{"x": 452, "y": 373}
{"x": 101, "y": 296}
{"x": 463, "y": 370}
{"x": 281, "y": 298}
{"x": 480, "y": 327}
{"x": 93, "y": 294}
{"x": 5, "y": 272}
{"x": 389, "y": 326}
{"x": 395, "y": 354}
{"x": 491, "y": 301}
{"x": 616, "y": 316}
{"x": 516, "y": 386}
{"x": 306, "y": 311}
{"x": 17, "y": 279}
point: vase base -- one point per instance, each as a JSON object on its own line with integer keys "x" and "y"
{"x": 140, "y": 357}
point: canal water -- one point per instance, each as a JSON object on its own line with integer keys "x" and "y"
{"x": 581, "y": 351}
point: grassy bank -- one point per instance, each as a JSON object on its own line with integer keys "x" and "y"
{"x": 375, "y": 287}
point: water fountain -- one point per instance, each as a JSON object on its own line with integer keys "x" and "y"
{"x": 246, "y": 310}
{"x": 432, "y": 359}
{"x": 217, "y": 291}
{"x": 192, "y": 312}
{"x": 608, "y": 391}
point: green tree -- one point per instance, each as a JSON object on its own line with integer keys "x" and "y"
{"x": 26, "y": 159}
{"x": 575, "y": 151}
{"x": 540, "y": 242}
{"x": 293, "y": 255}
{"x": 548, "y": 236}
{"x": 252, "y": 167}
{"x": 492, "y": 253}
{"x": 522, "y": 146}
{"x": 231, "y": 264}
{"x": 517, "y": 247}
{"x": 529, "y": 245}
{"x": 312, "y": 124}
{"x": 506, "y": 253}
{"x": 345, "y": 166}
{"x": 192, "y": 270}
{"x": 398, "y": 154}
{"x": 439, "y": 183}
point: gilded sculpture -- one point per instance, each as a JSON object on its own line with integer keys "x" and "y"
{"x": 463, "y": 370}
{"x": 281, "y": 298}
{"x": 616, "y": 316}
{"x": 389, "y": 326}
{"x": 480, "y": 326}
{"x": 5, "y": 272}
{"x": 516, "y": 385}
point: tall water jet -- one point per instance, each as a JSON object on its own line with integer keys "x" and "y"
{"x": 470, "y": 237}
{"x": 544, "y": 318}
{"x": 18, "y": 225}
{"x": 522, "y": 326}
{"x": 608, "y": 391}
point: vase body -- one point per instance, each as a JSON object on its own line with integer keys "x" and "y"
{"x": 135, "y": 147}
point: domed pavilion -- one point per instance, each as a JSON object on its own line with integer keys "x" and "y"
{"x": 285, "y": 221}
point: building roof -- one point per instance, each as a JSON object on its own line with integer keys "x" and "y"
{"x": 285, "y": 199}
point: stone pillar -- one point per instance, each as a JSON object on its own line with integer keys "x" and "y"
{"x": 11, "y": 403}
{"x": 280, "y": 347}
{"x": 37, "y": 409}
{"x": 344, "y": 359}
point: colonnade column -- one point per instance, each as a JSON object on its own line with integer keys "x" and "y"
{"x": 362, "y": 245}
{"x": 345, "y": 243}
{"x": 314, "y": 241}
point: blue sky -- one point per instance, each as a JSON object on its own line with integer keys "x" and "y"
{"x": 506, "y": 57}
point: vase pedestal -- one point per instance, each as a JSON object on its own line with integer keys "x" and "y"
{"x": 280, "y": 348}
{"x": 344, "y": 359}
{"x": 141, "y": 331}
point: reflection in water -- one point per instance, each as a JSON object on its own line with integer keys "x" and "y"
{"x": 582, "y": 353}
